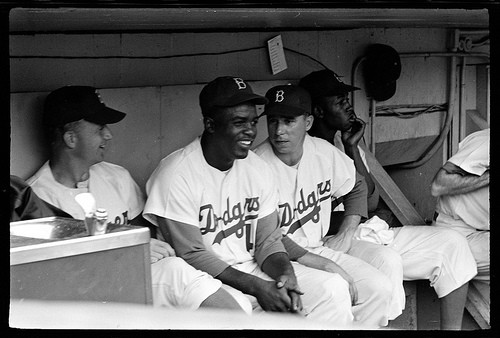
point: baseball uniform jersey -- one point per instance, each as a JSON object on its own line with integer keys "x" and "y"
{"x": 226, "y": 206}
{"x": 306, "y": 192}
{"x": 174, "y": 282}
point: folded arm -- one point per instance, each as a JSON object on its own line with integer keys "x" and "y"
{"x": 452, "y": 180}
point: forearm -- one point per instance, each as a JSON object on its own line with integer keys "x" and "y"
{"x": 349, "y": 224}
{"x": 188, "y": 244}
{"x": 446, "y": 183}
{"x": 277, "y": 265}
{"x": 246, "y": 283}
{"x": 319, "y": 262}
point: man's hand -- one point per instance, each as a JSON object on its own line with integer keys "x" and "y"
{"x": 333, "y": 267}
{"x": 159, "y": 250}
{"x": 274, "y": 298}
{"x": 290, "y": 284}
{"x": 341, "y": 241}
{"x": 351, "y": 137}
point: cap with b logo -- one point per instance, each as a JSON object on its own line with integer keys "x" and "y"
{"x": 74, "y": 103}
{"x": 287, "y": 100}
{"x": 227, "y": 91}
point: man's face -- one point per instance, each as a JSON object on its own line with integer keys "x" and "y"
{"x": 236, "y": 129}
{"x": 287, "y": 134}
{"x": 337, "y": 112}
{"x": 92, "y": 141}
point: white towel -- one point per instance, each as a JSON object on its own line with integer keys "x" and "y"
{"x": 375, "y": 230}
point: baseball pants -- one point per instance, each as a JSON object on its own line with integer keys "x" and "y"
{"x": 326, "y": 295}
{"x": 479, "y": 243}
{"x": 374, "y": 288}
{"x": 439, "y": 255}
{"x": 177, "y": 284}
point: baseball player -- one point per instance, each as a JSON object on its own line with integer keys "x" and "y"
{"x": 215, "y": 201}
{"x": 462, "y": 186}
{"x": 76, "y": 122}
{"x": 311, "y": 173}
{"x": 426, "y": 252}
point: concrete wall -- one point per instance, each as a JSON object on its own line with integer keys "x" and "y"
{"x": 160, "y": 95}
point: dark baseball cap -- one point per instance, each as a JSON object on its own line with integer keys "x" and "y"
{"x": 74, "y": 103}
{"x": 227, "y": 91}
{"x": 287, "y": 100}
{"x": 325, "y": 83}
{"x": 381, "y": 69}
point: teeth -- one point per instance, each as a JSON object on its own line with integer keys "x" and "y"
{"x": 246, "y": 142}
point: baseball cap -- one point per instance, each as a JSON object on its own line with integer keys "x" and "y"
{"x": 287, "y": 100}
{"x": 381, "y": 69}
{"x": 73, "y": 103}
{"x": 227, "y": 91}
{"x": 325, "y": 83}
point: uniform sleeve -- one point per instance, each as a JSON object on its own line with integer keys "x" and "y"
{"x": 473, "y": 155}
{"x": 356, "y": 202}
{"x": 188, "y": 244}
{"x": 170, "y": 196}
{"x": 294, "y": 250}
{"x": 267, "y": 238}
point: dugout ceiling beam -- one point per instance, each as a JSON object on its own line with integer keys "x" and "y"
{"x": 66, "y": 20}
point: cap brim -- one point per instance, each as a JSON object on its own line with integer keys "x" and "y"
{"x": 342, "y": 89}
{"x": 242, "y": 98}
{"x": 283, "y": 110}
{"x": 106, "y": 116}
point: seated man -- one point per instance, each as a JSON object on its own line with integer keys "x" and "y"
{"x": 215, "y": 202}
{"x": 426, "y": 252}
{"x": 76, "y": 123}
{"x": 462, "y": 186}
{"x": 311, "y": 173}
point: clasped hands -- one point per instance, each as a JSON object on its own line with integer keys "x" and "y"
{"x": 281, "y": 295}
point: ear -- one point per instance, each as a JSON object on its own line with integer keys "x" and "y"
{"x": 309, "y": 122}
{"x": 318, "y": 111}
{"x": 70, "y": 138}
{"x": 209, "y": 124}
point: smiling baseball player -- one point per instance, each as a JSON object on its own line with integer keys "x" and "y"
{"x": 215, "y": 201}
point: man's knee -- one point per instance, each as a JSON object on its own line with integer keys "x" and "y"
{"x": 334, "y": 285}
{"x": 387, "y": 259}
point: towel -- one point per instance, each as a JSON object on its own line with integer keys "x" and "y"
{"x": 375, "y": 230}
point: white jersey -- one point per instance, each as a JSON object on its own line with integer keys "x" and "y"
{"x": 306, "y": 192}
{"x": 111, "y": 185}
{"x": 225, "y": 206}
{"x": 472, "y": 208}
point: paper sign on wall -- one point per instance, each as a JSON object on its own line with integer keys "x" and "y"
{"x": 276, "y": 54}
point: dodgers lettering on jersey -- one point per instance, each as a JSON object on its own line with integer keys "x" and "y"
{"x": 238, "y": 218}
{"x": 307, "y": 208}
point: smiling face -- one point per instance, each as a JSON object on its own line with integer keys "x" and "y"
{"x": 91, "y": 141}
{"x": 235, "y": 129}
{"x": 287, "y": 134}
{"x": 337, "y": 112}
